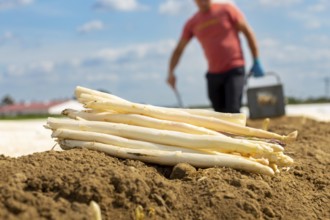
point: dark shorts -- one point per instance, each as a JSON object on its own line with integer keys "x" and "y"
{"x": 225, "y": 90}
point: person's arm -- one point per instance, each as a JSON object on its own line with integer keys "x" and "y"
{"x": 174, "y": 60}
{"x": 243, "y": 27}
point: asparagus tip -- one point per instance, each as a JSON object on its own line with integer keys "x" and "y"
{"x": 291, "y": 137}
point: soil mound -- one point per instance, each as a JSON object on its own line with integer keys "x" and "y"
{"x": 61, "y": 185}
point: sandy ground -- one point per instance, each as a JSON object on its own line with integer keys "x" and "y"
{"x": 25, "y": 137}
{"x": 63, "y": 184}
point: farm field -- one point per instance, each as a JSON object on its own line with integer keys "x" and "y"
{"x": 37, "y": 183}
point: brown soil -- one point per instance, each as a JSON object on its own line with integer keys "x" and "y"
{"x": 61, "y": 185}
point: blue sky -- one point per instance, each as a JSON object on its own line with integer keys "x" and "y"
{"x": 123, "y": 46}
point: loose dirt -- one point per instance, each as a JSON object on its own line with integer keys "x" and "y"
{"x": 62, "y": 184}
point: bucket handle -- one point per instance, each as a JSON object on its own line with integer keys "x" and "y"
{"x": 266, "y": 74}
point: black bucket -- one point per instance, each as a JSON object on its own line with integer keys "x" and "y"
{"x": 266, "y": 101}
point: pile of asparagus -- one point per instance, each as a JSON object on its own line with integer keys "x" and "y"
{"x": 168, "y": 136}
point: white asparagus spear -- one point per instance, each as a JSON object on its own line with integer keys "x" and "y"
{"x": 202, "y": 121}
{"x": 277, "y": 157}
{"x": 96, "y": 210}
{"x": 276, "y": 147}
{"x": 116, "y": 140}
{"x": 144, "y": 121}
{"x": 140, "y": 120}
{"x": 171, "y": 158}
{"x": 79, "y": 90}
{"x": 237, "y": 118}
{"x": 208, "y": 142}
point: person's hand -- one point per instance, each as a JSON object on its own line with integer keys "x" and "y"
{"x": 171, "y": 80}
{"x": 256, "y": 69}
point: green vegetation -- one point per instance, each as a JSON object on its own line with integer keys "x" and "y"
{"x": 292, "y": 100}
{"x": 7, "y": 100}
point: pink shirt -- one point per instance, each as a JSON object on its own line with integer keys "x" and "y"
{"x": 216, "y": 31}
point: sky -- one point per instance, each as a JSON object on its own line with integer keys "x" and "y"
{"x": 47, "y": 48}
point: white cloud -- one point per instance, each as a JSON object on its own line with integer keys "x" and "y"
{"x": 90, "y": 26}
{"x": 119, "y": 5}
{"x": 310, "y": 20}
{"x": 175, "y": 7}
{"x": 131, "y": 53}
{"x": 320, "y": 6}
{"x": 145, "y": 76}
{"x": 223, "y": 1}
{"x": 7, "y": 36}
{"x": 42, "y": 67}
{"x": 269, "y": 42}
{"x": 288, "y": 53}
{"x": 7, "y": 4}
{"x": 279, "y": 3}
{"x": 312, "y": 15}
{"x": 106, "y": 65}
{"x": 317, "y": 39}
{"x": 297, "y": 55}
{"x": 14, "y": 70}
{"x": 99, "y": 77}
{"x": 313, "y": 24}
